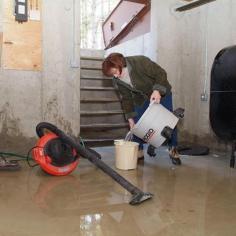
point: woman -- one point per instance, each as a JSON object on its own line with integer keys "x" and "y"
{"x": 140, "y": 81}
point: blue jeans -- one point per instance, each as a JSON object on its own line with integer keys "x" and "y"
{"x": 167, "y": 103}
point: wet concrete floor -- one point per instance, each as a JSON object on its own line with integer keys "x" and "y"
{"x": 197, "y": 198}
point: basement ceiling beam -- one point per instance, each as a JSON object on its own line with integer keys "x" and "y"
{"x": 193, "y": 5}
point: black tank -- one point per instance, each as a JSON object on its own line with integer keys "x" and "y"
{"x": 223, "y": 94}
{"x": 223, "y": 97}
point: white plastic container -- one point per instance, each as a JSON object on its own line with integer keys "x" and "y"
{"x": 152, "y": 122}
{"x": 126, "y": 153}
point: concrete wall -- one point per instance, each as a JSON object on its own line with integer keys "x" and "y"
{"x": 1, "y": 14}
{"x": 137, "y": 46}
{"x": 140, "y": 45}
{"x": 50, "y": 95}
{"x": 185, "y": 45}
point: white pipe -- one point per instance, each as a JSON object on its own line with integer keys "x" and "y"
{"x": 206, "y": 53}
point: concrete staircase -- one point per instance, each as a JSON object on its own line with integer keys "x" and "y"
{"x": 101, "y": 118}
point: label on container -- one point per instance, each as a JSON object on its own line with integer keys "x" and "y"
{"x": 149, "y": 135}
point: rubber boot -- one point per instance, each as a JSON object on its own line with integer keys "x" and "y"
{"x": 151, "y": 151}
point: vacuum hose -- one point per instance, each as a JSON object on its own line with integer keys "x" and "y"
{"x": 137, "y": 195}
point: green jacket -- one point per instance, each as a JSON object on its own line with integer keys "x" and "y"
{"x": 146, "y": 76}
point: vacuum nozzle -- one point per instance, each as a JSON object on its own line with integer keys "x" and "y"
{"x": 140, "y": 197}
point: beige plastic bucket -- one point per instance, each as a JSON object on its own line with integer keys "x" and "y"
{"x": 126, "y": 154}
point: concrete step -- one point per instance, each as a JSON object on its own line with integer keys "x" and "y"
{"x": 95, "y": 106}
{"x": 91, "y": 62}
{"x": 90, "y": 119}
{"x": 96, "y": 77}
{"x": 96, "y": 82}
{"x": 86, "y": 72}
{"x": 103, "y": 88}
{"x": 99, "y": 100}
{"x": 91, "y": 58}
{"x": 90, "y": 68}
{"x": 92, "y": 53}
{"x": 103, "y": 126}
{"x": 97, "y": 113}
{"x": 99, "y": 142}
{"x": 85, "y": 94}
{"x": 104, "y": 133}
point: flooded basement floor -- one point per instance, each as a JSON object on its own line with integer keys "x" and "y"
{"x": 197, "y": 198}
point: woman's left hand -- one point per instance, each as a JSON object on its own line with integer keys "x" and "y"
{"x": 156, "y": 96}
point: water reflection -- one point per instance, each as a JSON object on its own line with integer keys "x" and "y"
{"x": 90, "y": 223}
{"x": 98, "y": 204}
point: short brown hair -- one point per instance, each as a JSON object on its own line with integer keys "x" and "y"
{"x": 114, "y": 60}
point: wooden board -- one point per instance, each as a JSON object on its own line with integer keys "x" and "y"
{"x": 21, "y": 48}
{"x": 0, "y": 47}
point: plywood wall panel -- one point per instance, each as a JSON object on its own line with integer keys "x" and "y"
{"x": 0, "y": 46}
{"x": 21, "y": 42}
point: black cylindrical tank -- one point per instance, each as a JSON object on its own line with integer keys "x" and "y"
{"x": 223, "y": 94}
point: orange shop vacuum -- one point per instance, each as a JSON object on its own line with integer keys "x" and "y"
{"x": 58, "y": 154}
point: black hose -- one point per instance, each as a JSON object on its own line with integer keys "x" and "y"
{"x": 93, "y": 157}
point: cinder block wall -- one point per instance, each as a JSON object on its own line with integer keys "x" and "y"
{"x": 52, "y": 94}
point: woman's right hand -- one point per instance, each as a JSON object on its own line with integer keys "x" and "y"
{"x": 131, "y": 123}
